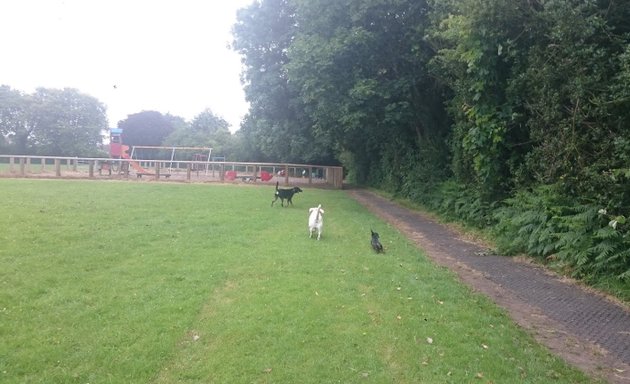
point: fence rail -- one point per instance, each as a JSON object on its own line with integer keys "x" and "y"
{"x": 169, "y": 171}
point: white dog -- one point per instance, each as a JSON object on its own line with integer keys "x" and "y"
{"x": 315, "y": 221}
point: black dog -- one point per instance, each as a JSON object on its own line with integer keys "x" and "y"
{"x": 376, "y": 242}
{"x": 283, "y": 194}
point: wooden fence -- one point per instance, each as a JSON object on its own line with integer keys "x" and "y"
{"x": 170, "y": 171}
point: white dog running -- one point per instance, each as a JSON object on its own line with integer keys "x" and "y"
{"x": 315, "y": 221}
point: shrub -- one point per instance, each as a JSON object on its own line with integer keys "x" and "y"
{"x": 581, "y": 238}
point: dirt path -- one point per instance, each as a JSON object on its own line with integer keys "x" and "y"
{"x": 584, "y": 328}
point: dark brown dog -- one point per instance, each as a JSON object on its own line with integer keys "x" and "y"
{"x": 376, "y": 242}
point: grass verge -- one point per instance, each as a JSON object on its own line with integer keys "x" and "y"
{"x": 110, "y": 282}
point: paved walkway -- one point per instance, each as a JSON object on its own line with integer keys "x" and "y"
{"x": 583, "y": 327}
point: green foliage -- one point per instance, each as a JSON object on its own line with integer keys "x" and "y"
{"x": 573, "y": 98}
{"x": 525, "y": 222}
{"x": 477, "y": 44}
{"x": 146, "y": 128}
{"x": 15, "y": 125}
{"x": 457, "y": 105}
{"x": 277, "y": 127}
{"x": 581, "y": 238}
{"x": 50, "y": 122}
{"x": 340, "y": 76}
{"x": 460, "y": 202}
{"x": 206, "y": 130}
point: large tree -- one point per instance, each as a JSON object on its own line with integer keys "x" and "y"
{"x": 576, "y": 96}
{"x": 15, "y": 127}
{"x": 277, "y": 123}
{"x": 360, "y": 68}
{"x": 479, "y": 45}
{"x": 206, "y": 130}
{"x": 51, "y": 122}
{"x": 148, "y": 128}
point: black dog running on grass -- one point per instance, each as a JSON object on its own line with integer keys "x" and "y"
{"x": 283, "y": 194}
{"x": 376, "y": 242}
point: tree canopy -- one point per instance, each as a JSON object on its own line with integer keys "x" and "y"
{"x": 205, "y": 130}
{"x": 51, "y": 122}
{"x": 496, "y": 94}
{"x": 148, "y": 128}
{"x": 464, "y": 105}
{"x": 277, "y": 126}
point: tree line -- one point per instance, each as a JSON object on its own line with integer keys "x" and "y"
{"x": 66, "y": 122}
{"x": 508, "y": 114}
{"x": 50, "y": 122}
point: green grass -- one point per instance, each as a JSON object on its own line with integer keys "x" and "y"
{"x": 121, "y": 282}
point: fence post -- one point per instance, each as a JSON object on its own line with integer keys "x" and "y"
{"x": 188, "y": 171}
{"x": 157, "y": 170}
{"x": 91, "y": 171}
{"x": 57, "y": 167}
{"x": 22, "y": 167}
{"x": 11, "y": 164}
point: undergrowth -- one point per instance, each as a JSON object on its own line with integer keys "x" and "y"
{"x": 582, "y": 240}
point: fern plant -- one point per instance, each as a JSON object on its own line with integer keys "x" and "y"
{"x": 526, "y": 223}
{"x": 580, "y": 238}
{"x": 460, "y": 202}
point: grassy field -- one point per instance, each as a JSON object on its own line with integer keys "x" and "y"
{"x": 122, "y": 282}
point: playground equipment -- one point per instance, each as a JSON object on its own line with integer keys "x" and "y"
{"x": 118, "y": 150}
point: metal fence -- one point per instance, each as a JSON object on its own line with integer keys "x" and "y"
{"x": 169, "y": 171}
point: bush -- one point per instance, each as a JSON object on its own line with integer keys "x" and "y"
{"x": 581, "y": 238}
{"x": 460, "y": 202}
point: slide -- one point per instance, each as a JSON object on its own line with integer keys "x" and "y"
{"x": 135, "y": 165}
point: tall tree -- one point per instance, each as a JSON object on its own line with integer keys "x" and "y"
{"x": 478, "y": 43}
{"x": 15, "y": 126}
{"x": 146, "y": 128}
{"x": 52, "y": 122}
{"x": 277, "y": 123}
{"x": 576, "y": 94}
{"x": 67, "y": 123}
{"x": 206, "y": 130}
{"x": 361, "y": 71}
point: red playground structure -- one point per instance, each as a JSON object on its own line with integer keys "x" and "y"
{"x": 119, "y": 151}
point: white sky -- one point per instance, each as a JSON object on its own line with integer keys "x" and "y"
{"x": 169, "y": 56}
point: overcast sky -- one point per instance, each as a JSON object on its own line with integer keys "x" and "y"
{"x": 170, "y": 56}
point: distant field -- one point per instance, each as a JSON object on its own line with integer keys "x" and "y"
{"x": 118, "y": 282}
